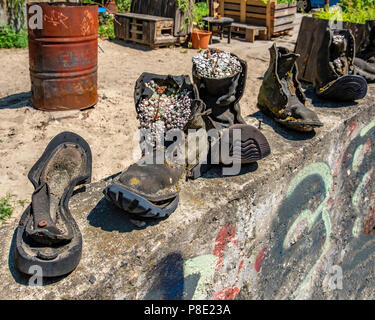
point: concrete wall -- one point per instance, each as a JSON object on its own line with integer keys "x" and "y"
{"x": 285, "y": 228}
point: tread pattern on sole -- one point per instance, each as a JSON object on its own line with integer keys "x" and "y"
{"x": 136, "y": 205}
{"x": 346, "y": 88}
{"x": 253, "y": 144}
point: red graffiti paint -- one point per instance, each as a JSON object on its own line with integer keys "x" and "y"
{"x": 225, "y": 236}
{"x": 367, "y": 146}
{"x": 227, "y": 294}
{"x": 240, "y": 267}
{"x": 352, "y": 127}
{"x": 259, "y": 259}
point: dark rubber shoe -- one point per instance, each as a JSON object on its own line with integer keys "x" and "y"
{"x": 281, "y": 96}
{"x": 335, "y": 77}
{"x": 47, "y": 235}
{"x": 146, "y": 190}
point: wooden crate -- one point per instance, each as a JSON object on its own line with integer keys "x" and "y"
{"x": 151, "y": 31}
{"x": 309, "y": 41}
{"x": 277, "y": 17}
{"x": 162, "y": 8}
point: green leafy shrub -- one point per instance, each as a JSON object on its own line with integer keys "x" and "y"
{"x": 357, "y": 11}
{"x": 194, "y": 12}
{"x": 281, "y": 1}
{"x": 199, "y": 11}
{"x": 106, "y": 28}
{"x": 123, "y": 5}
{"x": 9, "y": 38}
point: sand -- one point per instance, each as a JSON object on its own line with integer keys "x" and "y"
{"x": 108, "y": 127}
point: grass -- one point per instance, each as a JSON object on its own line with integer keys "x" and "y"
{"x": 7, "y": 206}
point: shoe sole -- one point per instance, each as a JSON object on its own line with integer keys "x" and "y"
{"x": 346, "y": 88}
{"x": 68, "y": 259}
{"x": 253, "y": 145}
{"x": 301, "y": 126}
{"x": 139, "y": 206}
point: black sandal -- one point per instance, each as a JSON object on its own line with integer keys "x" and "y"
{"x": 47, "y": 235}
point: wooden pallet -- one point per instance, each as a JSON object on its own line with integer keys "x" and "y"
{"x": 249, "y": 31}
{"x": 275, "y": 16}
{"x": 151, "y": 31}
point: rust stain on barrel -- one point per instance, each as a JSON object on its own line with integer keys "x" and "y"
{"x": 63, "y": 57}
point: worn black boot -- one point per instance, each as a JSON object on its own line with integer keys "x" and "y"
{"x": 364, "y": 62}
{"x": 222, "y": 96}
{"x": 281, "y": 96}
{"x": 334, "y": 77}
{"x": 149, "y": 188}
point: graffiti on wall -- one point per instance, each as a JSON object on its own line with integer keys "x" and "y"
{"x": 326, "y": 219}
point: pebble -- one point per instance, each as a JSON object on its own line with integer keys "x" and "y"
{"x": 168, "y": 108}
{"x": 216, "y": 64}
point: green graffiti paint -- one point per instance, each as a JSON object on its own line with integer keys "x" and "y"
{"x": 357, "y": 159}
{"x": 310, "y": 218}
{"x": 356, "y": 227}
{"x": 358, "y": 191}
{"x": 205, "y": 266}
{"x": 323, "y": 170}
{"x": 367, "y": 128}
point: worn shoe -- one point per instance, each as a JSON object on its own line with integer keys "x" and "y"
{"x": 281, "y": 96}
{"x": 364, "y": 62}
{"x": 148, "y": 189}
{"x": 47, "y": 235}
{"x": 334, "y": 70}
{"x": 222, "y": 96}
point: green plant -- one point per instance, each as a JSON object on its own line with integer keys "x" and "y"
{"x": 194, "y": 13}
{"x": 199, "y": 11}
{"x": 281, "y": 1}
{"x": 10, "y": 38}
{"x": 123, "y": 5}
{"x": 357, "y": 11}
{"x": 6, "y": 208}
{"x": 106, "y": 28}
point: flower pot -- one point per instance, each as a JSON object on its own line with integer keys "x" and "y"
{"x": 200, "y": 38}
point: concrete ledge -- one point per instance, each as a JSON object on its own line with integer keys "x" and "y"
{"x": 283, "y": 228}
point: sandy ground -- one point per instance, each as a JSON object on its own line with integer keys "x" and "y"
{"x": 109, "y": 126}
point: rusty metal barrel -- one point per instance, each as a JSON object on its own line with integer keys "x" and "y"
{"x": 63, "y": 55}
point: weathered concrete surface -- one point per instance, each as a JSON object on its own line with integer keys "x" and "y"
{"x": 274, "y": 231}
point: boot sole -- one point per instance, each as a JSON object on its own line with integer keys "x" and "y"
{"x": 137, "y": 205}
{"x": 302, "y": 126}
{"x": 346, "y": 88}
{"x": 253, "y": 145}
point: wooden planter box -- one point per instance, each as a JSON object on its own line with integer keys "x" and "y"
{"x": 151, "y": 31}
{"x": 309, "y": 41}
{"x": 162, "y": 8}
{"x": 277, "y": 17}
